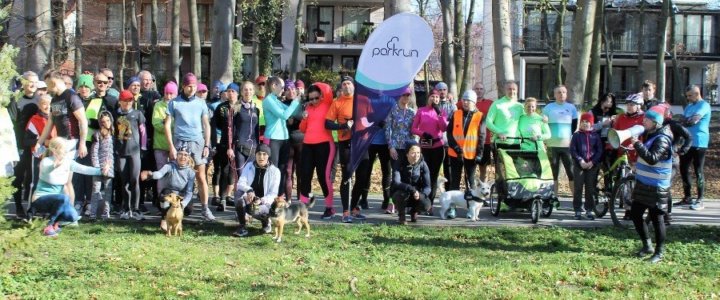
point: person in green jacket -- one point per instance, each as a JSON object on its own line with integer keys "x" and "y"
{"x": 533, "y": 126}
{"x": 504, "y": 115}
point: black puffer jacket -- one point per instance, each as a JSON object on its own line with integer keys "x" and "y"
{"x": 411, "y": 178}
{"x": 660, "y": 150}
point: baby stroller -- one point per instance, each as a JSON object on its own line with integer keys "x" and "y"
{"x": 523, "y": 180}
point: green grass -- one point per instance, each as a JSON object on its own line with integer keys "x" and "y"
{"x": 123, "y": 260}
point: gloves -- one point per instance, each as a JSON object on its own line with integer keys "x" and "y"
{"x": 427, "y": 136}
{"x": 458, "y": 150}
{"x": 437, "y": 109}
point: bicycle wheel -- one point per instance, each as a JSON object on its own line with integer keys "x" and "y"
{"x": 602, "y": 203}
{"x": 495, "y": 201}
{"x": 622, "y": 195}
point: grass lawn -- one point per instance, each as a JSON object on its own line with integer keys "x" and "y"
{"x": 124, "y": 260}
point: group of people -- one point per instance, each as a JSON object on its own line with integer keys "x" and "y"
{"x": 261, "y": 136}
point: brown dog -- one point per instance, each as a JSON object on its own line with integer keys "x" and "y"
{"x": 281, "y": 212}
{"x": 174, "y": 215}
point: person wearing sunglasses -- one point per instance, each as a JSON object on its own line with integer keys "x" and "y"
{"x": 111, "y": 82}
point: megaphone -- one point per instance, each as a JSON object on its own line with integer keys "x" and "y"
{"x": 617, "y": 137}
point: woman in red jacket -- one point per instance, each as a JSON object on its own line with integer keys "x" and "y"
{"x": 318, "y": 146}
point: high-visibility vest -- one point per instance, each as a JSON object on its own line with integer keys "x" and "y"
{"x": 467, "y": 141}
{"x": 659, "y": 174}
{"x": 91, "y": 113}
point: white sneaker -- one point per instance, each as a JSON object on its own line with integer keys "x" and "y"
{"x": 125, "y": 216}
{"x": 139, "y": 216}
{"x": 207, "y": 215}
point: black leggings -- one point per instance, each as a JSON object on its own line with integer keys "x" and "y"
{"x": 223, "y": 174}
{"x": 241, "y": 159}
{"x": 294, "y": 152}
{"x": 383, "y": 153}
{"x": 83, "y": 184}
{"x": 434, "y": 158}
{"x": 318, "y": 158}
{"x": 656, "y": 216}
{"x": 344, "y": 149}
{"x": 456, "y": 168}
{"x": 557, "y": 155}
{"x": 404, "y": 199}
{"x": 279, "y": 157}
{"x": 696, "y": 156}
{"x": 128, "y": 168}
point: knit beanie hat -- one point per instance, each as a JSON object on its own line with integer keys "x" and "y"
{"x": 189, "y": 78}
{"x": 171, "y": 88}
{"x": 233, "y": 86}
{"x": 588, "y": 116}
{"x": 85, "y": 80}
{"x": 132, "y": 80}
{"x": 654, "y": 116}
{"x": 126, "y": 95}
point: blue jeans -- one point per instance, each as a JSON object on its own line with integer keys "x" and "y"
{"x": 57, "y": 205}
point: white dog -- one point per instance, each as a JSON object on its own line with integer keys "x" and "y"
{"x": 450, "y": 199}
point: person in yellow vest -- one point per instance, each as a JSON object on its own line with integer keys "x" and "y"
{"x": 466, "y": 136}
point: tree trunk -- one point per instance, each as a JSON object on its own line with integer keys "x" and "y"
{"x": 559, "y": 44}
{"x": 609, "y": 52}
{"x": 154, "y": 55}
{"x": 39, "y": 37}
{"x": 61, "y": 49}
{"x": 78, "y": 36}
{"x": 121, "y": 72}
{"x": 422, "y": 8}
{"x": 678, "y": 95}
{"x": 641, "y": 44}
{"x": 592, "y": 93}
{"x": 458, "y": 38}
{"x": 194, "y": 38}
{"x": 296, "y": 40}
{"x": 175, "y": 43}
{"x": 504, "y": 69}
{"x": 393, "y": 7}
{"x": 466, "y": 44}
{"x": 255, "y": 57}
{"x": 135, "y": 37}
{"x": 580, "y": 51}
{"x": 661, "y": 44}
{"x": 222, "y": 63}
{"x": 449, "y": 74}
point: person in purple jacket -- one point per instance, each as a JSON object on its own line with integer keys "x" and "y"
{"x": 586, "y": 150}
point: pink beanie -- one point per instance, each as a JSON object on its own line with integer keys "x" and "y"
{"x": 171, "y": 88}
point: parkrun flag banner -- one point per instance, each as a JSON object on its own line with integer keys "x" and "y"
{"x": 390, "y": 59}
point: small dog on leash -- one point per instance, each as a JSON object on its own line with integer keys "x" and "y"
{"x": 450, "y": 199}
{"x": 174, "y": 215}
{"x": 282, "y": 212}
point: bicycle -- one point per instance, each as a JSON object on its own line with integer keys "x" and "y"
{"x": 618, "y": 192}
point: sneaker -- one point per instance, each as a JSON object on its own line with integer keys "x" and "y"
{"x": 221, "y": 206}
{"x": 328, "y": 214}
{"x": 240, "y": 232}
{"x": 390, "y": 209}
{"x": 346, "y": 218}
{"x": 578, "y": 215}
{"x": 49, "y": 231}
{"x": 697, "y": 205}
{"x": 125, "y": 216}
{"x": 468, "y": 215}
{"x": 138, "y": 216}
{"x": 450, "y": 214}
{"x": 215, "y": 201}
{"x": 358, "y": 216}
{"x": 207, "y": 215}
{"x": 590, "y": 216}
{"x": 685, "y": 201}
{"x": 267, "y": 229}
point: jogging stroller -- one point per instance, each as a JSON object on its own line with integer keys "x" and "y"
{"x": 523, "y": 180}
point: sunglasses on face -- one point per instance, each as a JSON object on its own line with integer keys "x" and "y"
{"x": 101, "y": 82}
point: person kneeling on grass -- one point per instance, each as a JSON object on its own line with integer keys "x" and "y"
{"x": 652, "y": 182}
{"x": 586, "y": 150}
{"x": 49, "y": 198}
{"x": 176, "y": 177}
{"x": 411, "y": 185}
{"x": 256, "y": 190}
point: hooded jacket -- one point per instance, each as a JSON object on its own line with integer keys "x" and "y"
{"x": 271, "y": 182}
{"x": 660, "y": 150}
{"x": 410, "y": 178}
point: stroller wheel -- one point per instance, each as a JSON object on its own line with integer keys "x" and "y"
{"x": 495, "y": 201}
{"x": 535, "y": 210}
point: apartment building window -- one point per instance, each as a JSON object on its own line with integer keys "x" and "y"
{"x": 670, "y": 80}
{"x": 354, "y": 24}
{"x": 539, "y": 81}
{"x": 248, "y": 33}
{"x": 204, "y": 26}
{"x": 320, "y": 24}
{"x": 349, "y": 62}
{"x": 162, "y": 22}
{"x": 319, "y": 61}
{"x": 247, "y": 65}
{"x": 539, "y": 33}
{"x": 698, "y": 33}
{"x": 624, "y": 81}
{"x": 114, "y": 15}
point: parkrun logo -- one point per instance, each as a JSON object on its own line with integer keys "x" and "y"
{"x": 391, "y": 50}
